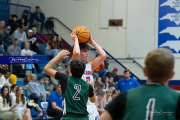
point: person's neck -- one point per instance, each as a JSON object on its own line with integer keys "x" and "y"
{"x": 59, "y": 93}
{"x": 14, "y": 45}
{"x": 127, "y": 79}
{"x": 107, "y": 97}
{"x": 26, "y": 48}
{"x": 163, "y": 83}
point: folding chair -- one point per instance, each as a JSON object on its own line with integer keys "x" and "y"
{"x": 44, "y": 106}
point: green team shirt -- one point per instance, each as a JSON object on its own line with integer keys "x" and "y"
{"x": 75, "y": 93}
{"x": 149, "y": 102}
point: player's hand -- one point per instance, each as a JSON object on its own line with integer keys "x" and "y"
{"x": 73, "y": 36}
{"x": 91, "y": 83}
{"x": 90, "y": 41}
{"x": 63, "y": 54}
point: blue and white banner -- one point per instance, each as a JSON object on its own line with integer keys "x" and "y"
{"x": 22, "y": 60}
{"x": 169, "y": 25}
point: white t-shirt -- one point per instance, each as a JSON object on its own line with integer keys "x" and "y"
{"x": 11, "y": 95}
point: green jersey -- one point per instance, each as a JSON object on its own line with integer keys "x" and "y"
{"x": 149, "y": 102}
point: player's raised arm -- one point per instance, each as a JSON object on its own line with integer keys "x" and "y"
{"x": 63, "y": 54}
{"x": 102, "y": 55}
{"x": 76, "y": 49}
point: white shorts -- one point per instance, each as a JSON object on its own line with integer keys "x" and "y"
{"x": 92, "y": 110}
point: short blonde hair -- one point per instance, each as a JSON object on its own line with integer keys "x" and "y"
{"x": 34, "y": 28}
{"x": 46, "y": 78}
{"x": 159, "y": 65}
{"x": 33, "y": 75}
{"x": 109, "y": 91}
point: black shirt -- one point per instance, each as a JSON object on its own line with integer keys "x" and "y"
{"x": 62, "y": 78}
{"x": 116, "y": 78}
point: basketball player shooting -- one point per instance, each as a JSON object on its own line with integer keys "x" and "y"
{"x": 75, "y": 91}
{"x": 80, "y": 50}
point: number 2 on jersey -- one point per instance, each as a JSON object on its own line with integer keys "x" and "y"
{"x": 150, "y": 109}
{"x": 78, "y": 87}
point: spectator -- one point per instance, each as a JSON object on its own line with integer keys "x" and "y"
{"x": 7, "y": 80}
{"x": 20, "y": 35}
{"x": 26, "y": 51}
{"x": 99, "y": 102}
{"x": 4, "y": 68}
{"x": 97, "y": 82}
{"x": 33, "y": 90}
{"x": 111, "y": 86}
{"x": 126, "y": 83}
{"x": 105, "y": 81}
{"x": 59, "y": 64}
{"x": 2, "y": 24}
{"x": 35, "y": 43}
{"x": 113, "y": 94}
{"x": 46, "y": 83}
{"x": 24, "y": 23}
{"x": 20, "y": 101}
{"x": 100, "y": 88}
{"x": 59, "y": 43}
{"x": 99, "y": 71}
{"x": 14, "y": 50}
{"x": 107, "y": 98}
{"x": 13, "y": 91}
{"x": 13, "y": 24}
{"x": 8, "y": 112}
{"x": 51, "y": 50}
{"x": 7, "y": 38}
{"x": 40, "y": 16}
{"x": 44, "y": 94}
{"x": 55, "y": 104}
{"x": 111, "y": 79}
{"x": 106, "y": 63}
{"x": 67, "y": 70}
{"x": 114, "y": 75}
{"x": 2, "y": 80}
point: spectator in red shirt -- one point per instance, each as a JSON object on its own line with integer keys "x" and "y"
{"x": 51, "y": 49}
{"x": 100, "y": 71}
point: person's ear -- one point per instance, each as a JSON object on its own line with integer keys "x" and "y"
{"x": 172, "y": 75}
{"x": 145, "y": 72}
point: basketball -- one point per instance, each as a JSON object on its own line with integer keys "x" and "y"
{"x": 82, "y": 33}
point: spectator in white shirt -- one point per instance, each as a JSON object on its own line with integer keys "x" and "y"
{"x": 7, "y": 80}
{"x": 2, "y": 80}
{"x": 13, "y": 91}
{"x": 26, "y": 51}
{"x": 8, "y": 112}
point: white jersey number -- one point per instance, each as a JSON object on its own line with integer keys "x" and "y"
{"x": 150, "y": 109}
{"x": 78, "y": 88}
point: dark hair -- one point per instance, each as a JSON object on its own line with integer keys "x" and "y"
{"x": 5, "y": 97}
{"x": 1, "y": 53}
{"x": 126, "y": 70}
{"x": 21, "y": 27}
{"x": 59, "y": 43}
{"x": 82, "y": 46}
{"x": 7, "y": 71}
{"x": 100, "y": 92}
{"x": 113, "y": 92}
{"x": 77, "y": 67}
{"x": 13, "y": 86}
{"x": 39, "y": 78}
{"x": 37, "y": 7}
{"x": 14, "y": 16}
{"x": 25, "y": 22}
{"x": 111, "y": 85}
{"x": 97, "y": 55}
{"x": 104, "y": 80}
